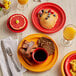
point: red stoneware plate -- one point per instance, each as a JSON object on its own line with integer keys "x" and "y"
{"x": 61, "y": 17}
{"x": 67, "y": 64}
{"x": 17, "y": 31}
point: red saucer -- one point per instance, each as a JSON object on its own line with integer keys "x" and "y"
{"x": 17, "y": 31}
{"x": 67, "y": 64}
{"x": 61, "y": 17}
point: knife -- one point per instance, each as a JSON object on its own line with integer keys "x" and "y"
{"x": 6, "y": 60}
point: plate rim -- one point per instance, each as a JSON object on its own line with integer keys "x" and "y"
{"x": 68, "y": 58}
{"x": 57, "y": 6}
{"x": 63, "y": 61}
{"x": 17, "y": 31}
{"x": 54, "y": 61}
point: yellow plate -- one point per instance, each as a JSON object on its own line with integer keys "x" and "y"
{"x": 62, "y": 63}
{"x": 40, "y": 67}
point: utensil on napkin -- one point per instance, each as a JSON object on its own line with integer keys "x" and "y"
{"x": 9, "y": 52}
{"x": 6, "y": 59}
{"x": 12, "y": 44}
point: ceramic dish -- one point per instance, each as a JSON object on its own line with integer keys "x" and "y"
{"x": 67, "y": 64}
{"x": 49, "y": 63}
{"x": 61, "y": 17}
{"x": 16, "y": 31}
{"x": 66, "y": 60}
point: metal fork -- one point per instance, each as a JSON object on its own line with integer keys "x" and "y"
{"x": 6, "y": 60}
{"x": 9, "y": 52}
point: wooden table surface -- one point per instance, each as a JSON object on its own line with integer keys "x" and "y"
{"x": 69, "y": 7}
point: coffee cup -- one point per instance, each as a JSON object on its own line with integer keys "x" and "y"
{"x": 39, "y": 55}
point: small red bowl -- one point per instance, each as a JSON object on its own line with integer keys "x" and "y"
{"x": 67, "y": 66}
{"x": 34, "y": 52}
{"x": 17, "y": 31}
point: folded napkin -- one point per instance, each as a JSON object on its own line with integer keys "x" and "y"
{"x": 12, "y": 44}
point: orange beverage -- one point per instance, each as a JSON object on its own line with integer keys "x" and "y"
{"x": 69, "y": 32}
{"x": 22, "y": 2}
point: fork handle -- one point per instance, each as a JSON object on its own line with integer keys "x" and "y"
{"x": 18, "y": 70}
{"x": 8, "y": 69}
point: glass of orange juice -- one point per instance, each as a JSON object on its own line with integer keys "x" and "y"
{"x": 69, "y": 34}
{"x": 22, "y": 4}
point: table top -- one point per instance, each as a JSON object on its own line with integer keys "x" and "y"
{"x": 70, "y": 10}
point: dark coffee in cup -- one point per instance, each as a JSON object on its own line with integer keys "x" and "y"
{"x": 39, "y": 55}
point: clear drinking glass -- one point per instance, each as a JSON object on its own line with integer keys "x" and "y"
{"x": 69, "y": 34}
{"x": 5, "y": 6}
{"x": 22, "y": 4}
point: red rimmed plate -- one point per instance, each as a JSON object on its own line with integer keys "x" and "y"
{"x": 67, "y": 66}
{"x": 17, "y": 31}
{"x": 61, "y": 17}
